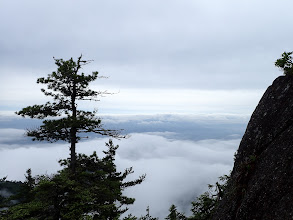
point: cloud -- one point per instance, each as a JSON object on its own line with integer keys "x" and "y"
{"x": 181, "y": 101}
{"x": 4, "y": 193}
{"x": 165, "y": 56}
{"x": 177, "y": 171}
{"x": 166, "y": 44}
{"x": 172, "y": 126}
{"x": 204, "y": 118}
{"x": 143, "y": 146}
{"x": 9, "y": 134}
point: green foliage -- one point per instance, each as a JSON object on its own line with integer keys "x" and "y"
{"x": 174, "y": 214}
{"x": 130, "y": 217}
{"x": 95, "y": 191}
{"x": 87, "y": 187}
{"x": 285, "y": 63}
{"x": 147, "y": 216}
{"x": 67, "y": 86}
{"x": 203, "y": 207}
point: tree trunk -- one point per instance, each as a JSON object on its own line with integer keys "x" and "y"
{"x": 72, "y": 155}
{"x": 73, "y": 130}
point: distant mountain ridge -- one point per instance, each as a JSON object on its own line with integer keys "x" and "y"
{"x": 261, "y": 183}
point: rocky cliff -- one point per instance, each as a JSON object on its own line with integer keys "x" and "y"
{"x": 261, "y": 184}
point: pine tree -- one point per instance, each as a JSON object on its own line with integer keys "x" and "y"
{"x": 174, "y": 214}
{"x": 97, "y": 193}
{"x": 285, "y": 63}
{"x": 204, "y": 205}
{"x": 148, "y": 216}
{"x": 67, "y": 86}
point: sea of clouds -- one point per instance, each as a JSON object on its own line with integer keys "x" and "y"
{"x": 178, "y": 164}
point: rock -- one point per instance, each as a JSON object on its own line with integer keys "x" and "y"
{"x": 261, "y": 183}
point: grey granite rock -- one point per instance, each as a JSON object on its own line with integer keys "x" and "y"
{"x": 261, "y": 184}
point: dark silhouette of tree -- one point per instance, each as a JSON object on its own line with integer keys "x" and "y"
{"x": 95, "y": 194}
{"x": 148, "y": 216}
{"x": 88, "y": 187}
{"x": 204, "y": 205}
{"x": 67, "y": 86}
{"x": 174, "y": 214}
{"x": 285, "y": 63}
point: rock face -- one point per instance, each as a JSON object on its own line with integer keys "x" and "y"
{"x": 261, "y": 184}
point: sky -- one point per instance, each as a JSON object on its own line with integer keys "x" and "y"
{"x": 160, "y": 56}
{"x": 186, "y": 75}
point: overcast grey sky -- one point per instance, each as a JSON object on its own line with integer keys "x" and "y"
{"x": 209, "y": 58}
{"x": 163, "y": 56}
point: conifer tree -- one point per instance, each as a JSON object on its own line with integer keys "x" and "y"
{"x": 67, "y": 86}
{"x": 285, "y": 63}
{"x": 97, "y": 193}
{"x": 148, "y": 216}
{"x": 174, "y": 214}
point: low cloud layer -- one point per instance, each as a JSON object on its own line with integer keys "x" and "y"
{"x": 177, "y": 171}
{"x": 180, "y": 154}
{"x": 193, "y": 127}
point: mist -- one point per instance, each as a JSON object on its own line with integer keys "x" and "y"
{"x": 177, "y": 170}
